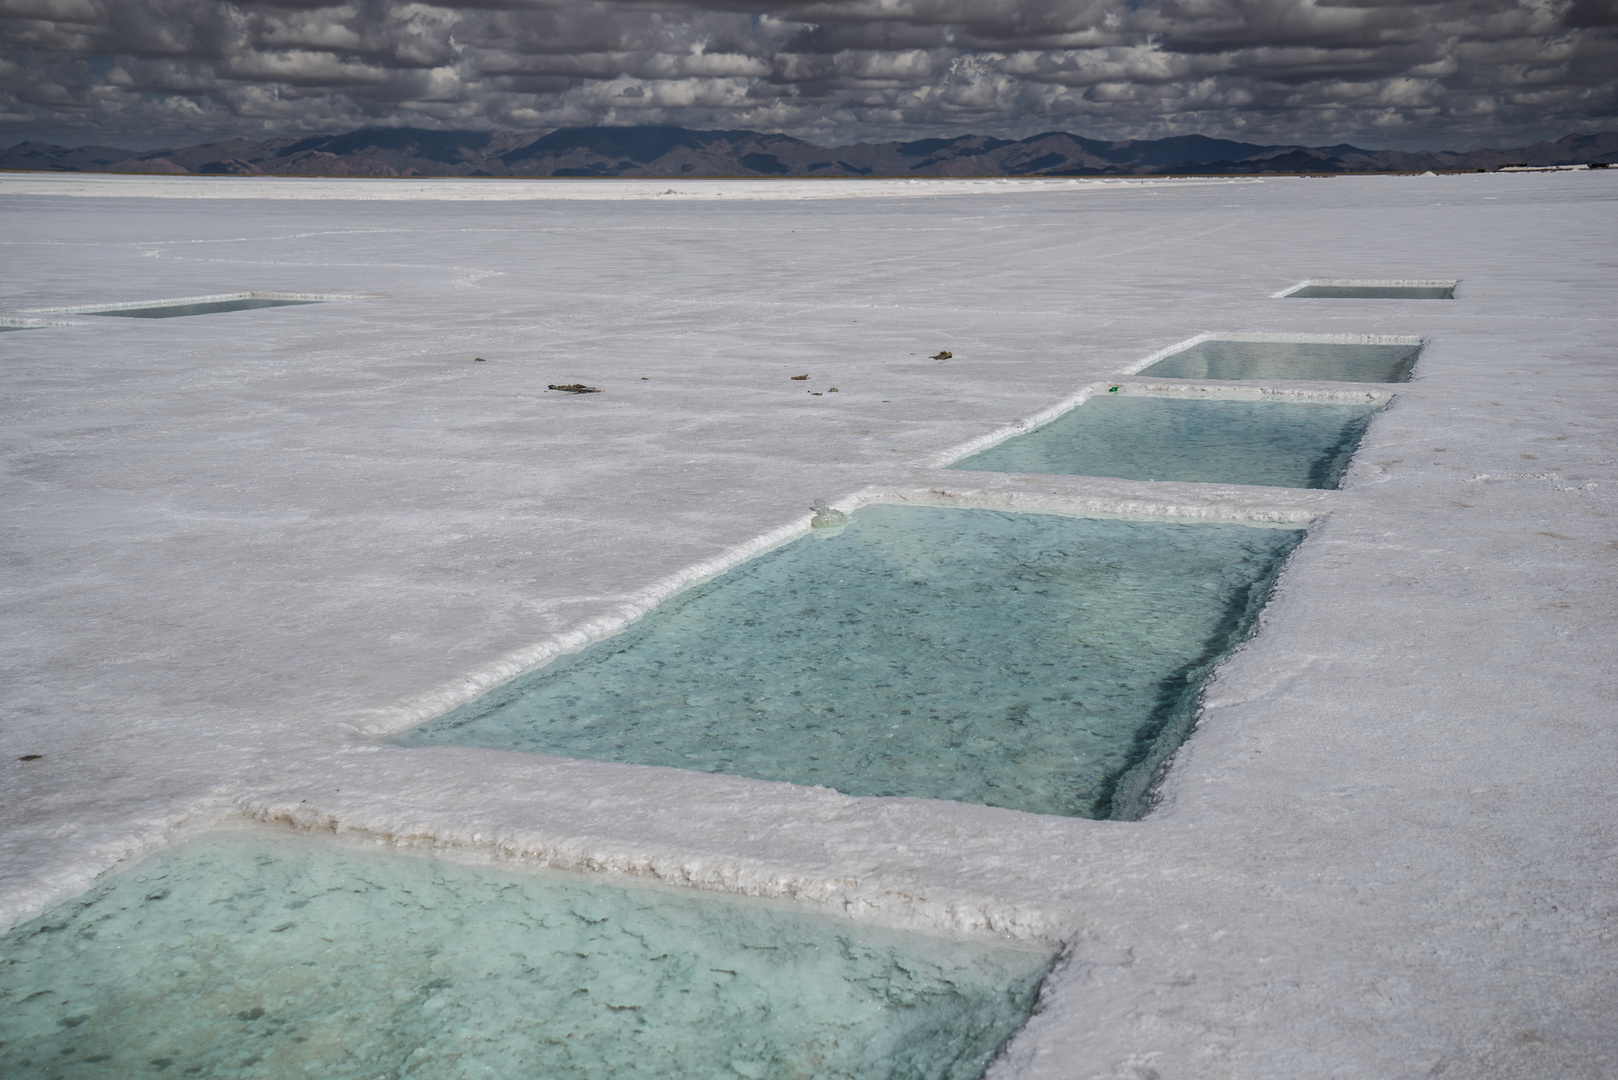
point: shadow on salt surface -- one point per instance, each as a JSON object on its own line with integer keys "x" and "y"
{"x": 1271, "y": 443}
{"x": 1034, "y": 662}
{"x": 256, "y": 955}
{"x": 1373, "y": 290}
{"x": 1313, "y": 361}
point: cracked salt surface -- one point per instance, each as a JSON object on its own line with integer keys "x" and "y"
{"x": 232, "y": 557}
{"x": 261, "y": 954}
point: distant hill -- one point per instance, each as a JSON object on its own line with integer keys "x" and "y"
{"x": 670, "y": 152}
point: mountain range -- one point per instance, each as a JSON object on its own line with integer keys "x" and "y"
{"x": 671, "y": 152}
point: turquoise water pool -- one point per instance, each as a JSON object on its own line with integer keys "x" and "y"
{"x": 1279, "y": 444}
{"x": 209, "y": 307}
{"x": 1027, "y": 661}
{"x": 1288, "y": 360}
{"x": 266, "y": 957}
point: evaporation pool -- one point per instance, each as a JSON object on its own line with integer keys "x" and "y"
{"x": 1371, "y": 291}
{"x": 1029, "y": 661}
{"x": 253, "y": 956}
{"x": 207, "y": 307}
{"x": 1289, "y": 360}
{"x": 1279, "y": 444}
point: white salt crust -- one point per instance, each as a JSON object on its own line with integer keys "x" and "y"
{"x": 246, "y": 543}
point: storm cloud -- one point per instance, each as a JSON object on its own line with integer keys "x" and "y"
{"x": 144, "y": 72}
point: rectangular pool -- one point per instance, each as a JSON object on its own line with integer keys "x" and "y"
{"x": 207, "y": 307}
{"x": 1035, "y": 662}
{"x": 1373, "y": 290}
{"x": 1273, "y": 443}
{"x": 1234, "y": 361}
{"x": 246, "y": 956}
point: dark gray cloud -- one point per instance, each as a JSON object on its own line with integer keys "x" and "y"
{"x": 146, "y": 72}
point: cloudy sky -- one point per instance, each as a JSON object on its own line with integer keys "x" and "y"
{"x": 147, "y": 73}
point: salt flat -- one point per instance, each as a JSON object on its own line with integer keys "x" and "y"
{"x": 464, "y": 189}
{"x": 243, "y": 546}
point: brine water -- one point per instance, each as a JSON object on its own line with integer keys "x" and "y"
{"x": 243, "y": 956}
{"x": 1373, "y": 292}
{"x": 1311, "y": 360}
{"x": 1279, "y": 444}
{"x": 208, "y": 307}
{"x": 1029, "y": 661}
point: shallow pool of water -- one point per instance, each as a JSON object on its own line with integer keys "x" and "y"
{"x": 1028, "y": 661}
{"x": 1373, "y": 292}
{"x": 1279, "y": 444}
{"x": 210, "y": 307}
{"x": 1288, "y": 360}
{"x": 244, "y": 955}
